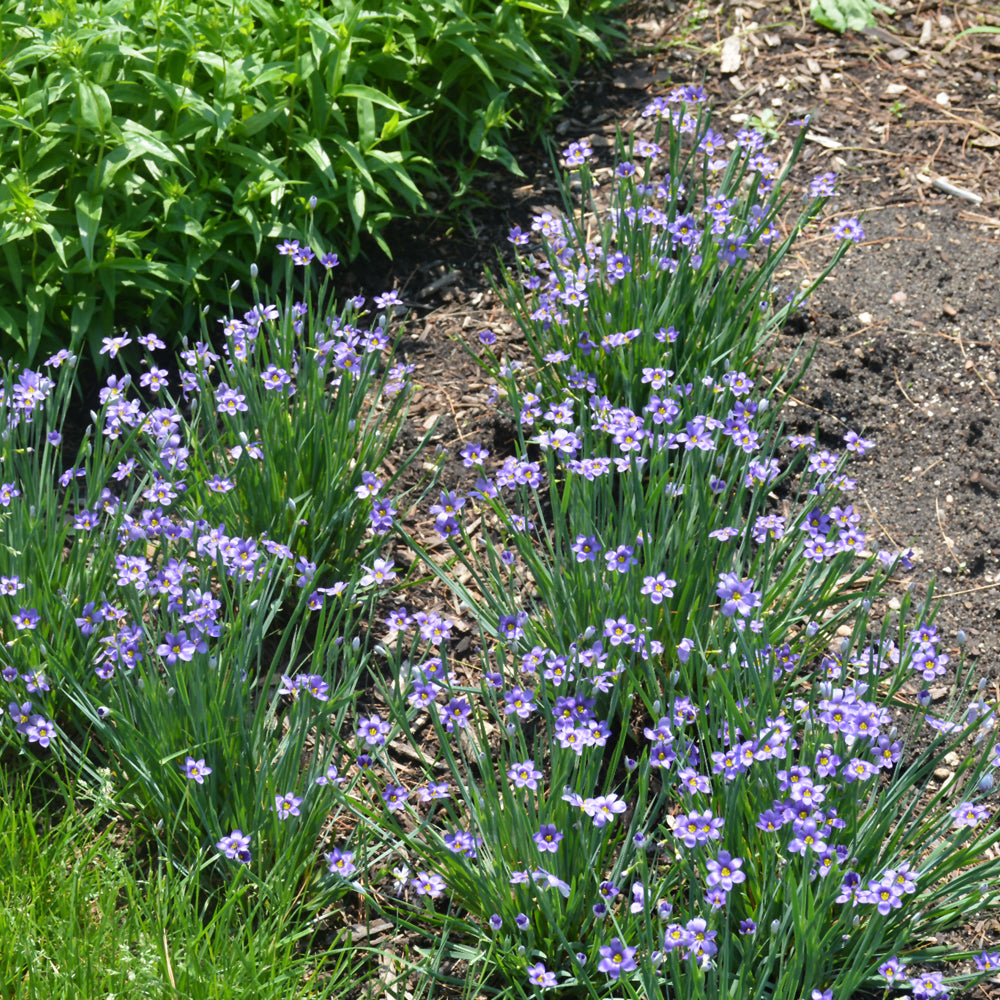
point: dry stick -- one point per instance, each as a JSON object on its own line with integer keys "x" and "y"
{"x": 899, "y": 386}
{"x": 937, "y": 461}
{"x": 956, "y": 192}
{"x": 948, "y": 541}
{"x": 969, "y": 590}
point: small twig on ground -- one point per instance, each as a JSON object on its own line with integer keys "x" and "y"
{"x": 899, "y": 385}
{"x": 948, "y": 541}
{"x": 910, "y": 479}
{"x": 968, "y": 590}
{"x": 948, "y": 188}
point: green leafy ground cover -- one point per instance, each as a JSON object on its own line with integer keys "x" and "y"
{"x": 153, "y": 149}
{"x": 677, "y": 762}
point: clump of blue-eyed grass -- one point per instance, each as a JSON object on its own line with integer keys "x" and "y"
{"x": 286, "y": 430}
{"x": 151, "y": 635}
{"x": 754, "y": 799}
{"x": 672, "y": 264}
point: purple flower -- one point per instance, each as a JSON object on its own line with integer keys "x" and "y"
{"x": 112, "y": 345}
{"x": 374, "y": 731}
{"x": 462, "y": 842}
{"x": 41, "y": 731}
{"x": 381, "y": 516}
{"x": 519, "y": 702}
{"x": 968, "y": 814}
{"x": 380, "y": 571}
{"x": 716, "y": 897}
{"x": 394, "y": 797}
{"x": 229, "y": 400}
{"x": 26, "y": 618}
{"x": 622, "y": 559}
{"x": 928, "y": 985}
{"x": 856, "y": 443}
{"x": 287, "y": 805}
{"x": 236, "y": 847}
{"x": 657, "y": 587}
{"x": 538, "y": 975}
{"x": 698, "y": 828}
{"x": 524, "y": 775}
{"x": 725, "y": 872}
{"x": 616, "y": 958}
{"x": 341, "y": 862}
{"x": 848, "y": 229}
{"x": 586, "y": 548}
{"x": 331, "y": 777}
{"x": 179, "y": 647}
{"x": 370, "y": 485}
{"x": 619, "y": 630}
{"x": 457, "y": 713}
{"x": 987, "y": 961}
{"x": 547, "y": 838}
{"x": 428, "y": 884}
{"x": 603, "y": 808}
{"x": 737, "y": 596}
{"x": 892, "y": 970}
{"x": 196, "y": 770}
{"x": 473, "y": 454}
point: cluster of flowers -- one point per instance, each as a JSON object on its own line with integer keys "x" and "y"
{"x": 723, "y": 231}
{"x": 166, "y": 564}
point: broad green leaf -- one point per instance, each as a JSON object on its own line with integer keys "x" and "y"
{"x": 843, "y": 15}
{"x": 147, "y": 143}
{"x": 88, "y": 217}
{"x": 92, "y": 107}
{"x": 465, "y": 46}
{"x": 361, "y": 92}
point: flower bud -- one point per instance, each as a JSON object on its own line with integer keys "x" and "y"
{"x": 253, "y": 271}
{"x": 961, "y": 637}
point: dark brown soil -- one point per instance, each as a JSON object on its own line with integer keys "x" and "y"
{"x": 907, "y": 330}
